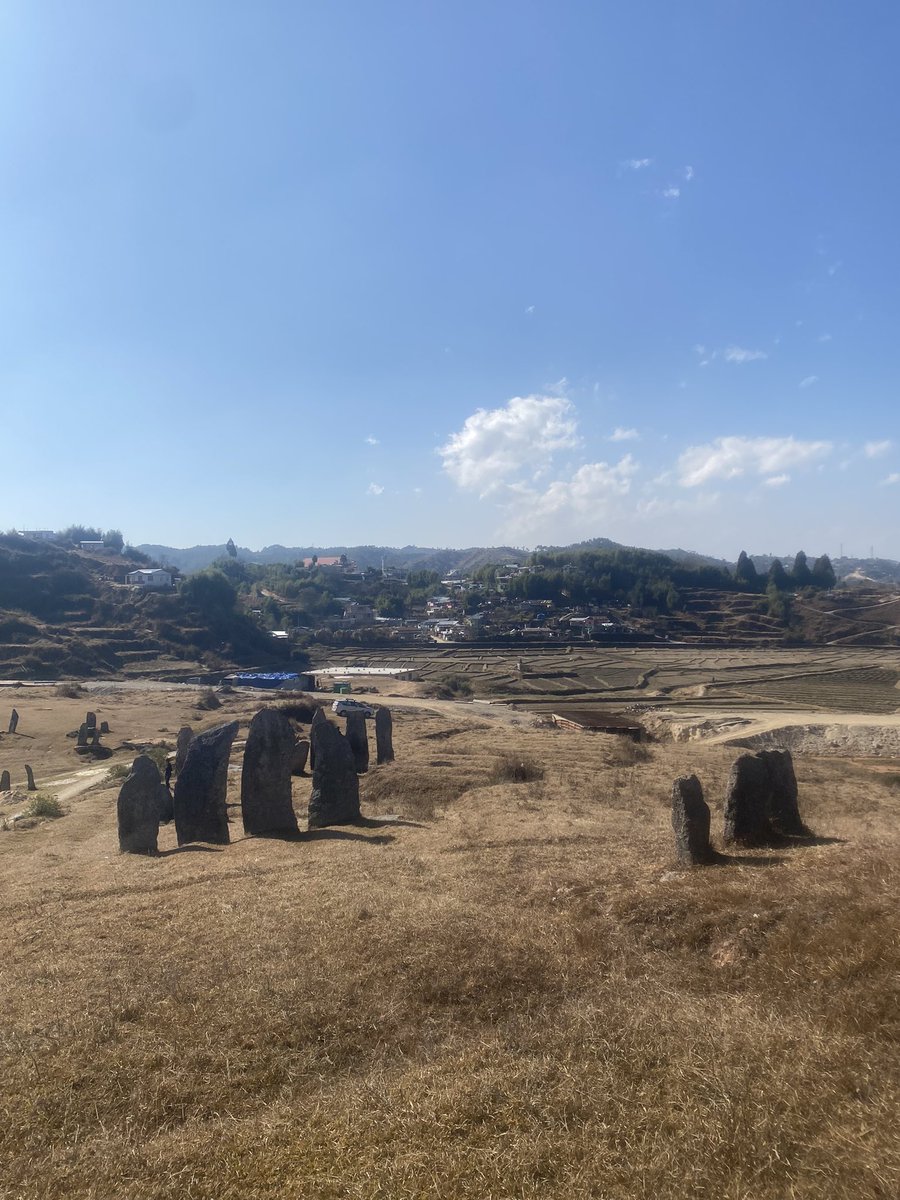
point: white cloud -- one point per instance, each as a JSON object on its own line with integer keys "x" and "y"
{"x": 637, "y": 164}
{"x": 497, "y": 444}
{"x": 567, "y": 505}
{"x": 559, "y": 388}
{"x": 876, "y": 449}
{"x": 688, "y": 173}
{"x": 809, "y": 381}
{"x": 891, "y": 479}
{"x": 824, "y": 337}
{"x": 374, "y": 489}
{"x": 736, "y": 354}
{"x": 729, "y": 457}
{"x": 775, "y": 481}
{"x": 671, "y": 193}
{"x": 623, "y": 435}
{"x": 529, "y": 311}
{"x": 372, "y": 441}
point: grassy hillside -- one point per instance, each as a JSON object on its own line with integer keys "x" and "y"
{"x": 506, "y": 990}
{"x": 63, "y": 614}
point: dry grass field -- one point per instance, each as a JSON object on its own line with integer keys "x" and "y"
{"x": 499, "y": 986}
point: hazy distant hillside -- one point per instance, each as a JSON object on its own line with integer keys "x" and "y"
{"x": 195, "y": 558}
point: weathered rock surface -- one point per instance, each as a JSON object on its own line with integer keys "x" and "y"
{"x": 182, "y": 742}
{"x": 318, "y": 718}
{"x": 266, "y": 803}
{"x": 358, "y": 737}
{"x": 91, "y": 720}
{"x": 747, "y": 803}
{"x": 13, "y": 721}
{"x": 690, "y": 820}
{"x": 104, "y": 726}
{"x": 200, "y": 791}
{"x": 384, "y": 735}
{"x": 784, "y": 808}
{"x": 5, "y": 784}
{"x": 138, "y": 808}
{"x": 301, "y": 754}
{"x": 29, "y": 774}
{"x": 334, "y": 799}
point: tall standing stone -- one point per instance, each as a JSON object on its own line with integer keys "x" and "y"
{"x": 384, "y": 736}
{"x": 138, "y": 808}
{"x": 183, "y": 741}
{"x": 13, "y": 721}
{"x": 784, "y": 809}
{"x": 690, "y": 820}
{"x": 301, "y": 754}
{"x": 91, "y": 720}
{"x": 201, "y": 814}
{"x": 266, "y": 802}
{"x": 318, "y": 718}
{"x": 5, "y": 784}
{"x": 83, "y": 732}
{"x": 358, "y": 738}
{"x": 29, "y": 775}
{"x": 334, "y": 799}
{"x": 747, "y": 803}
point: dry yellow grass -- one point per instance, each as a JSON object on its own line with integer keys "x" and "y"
{"x": 507, "y": 989}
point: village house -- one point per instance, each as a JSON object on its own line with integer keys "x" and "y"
{"x": 149, "y": 577}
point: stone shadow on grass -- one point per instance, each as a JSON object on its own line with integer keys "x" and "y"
{"x": 191, "y": 846}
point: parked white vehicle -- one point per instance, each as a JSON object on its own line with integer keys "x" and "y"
{"x": 344, "y": 707}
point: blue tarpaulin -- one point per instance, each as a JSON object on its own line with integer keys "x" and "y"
{"x": 264, "y": 679}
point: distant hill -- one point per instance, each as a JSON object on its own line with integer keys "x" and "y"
{"x": 430, "y": 558}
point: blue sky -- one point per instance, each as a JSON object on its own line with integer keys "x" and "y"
{"x": 453, "y": 272}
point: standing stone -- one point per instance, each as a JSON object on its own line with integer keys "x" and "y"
{"x": 784, "y": 810}
{"x": 334, "y": 799}
{"x": 690, "y": 820}
{"x": 83, "y": 732}
{"x": 747, "y": 803}
{"x": 13, "y": 721}
{"x": 201, "y": 814}
{"x": 5, "y": 785}
{"x": 384, "y": 736}
{"x": 29, "y": 774}
{"x": 266, "y": 803}
{"x": 104, "y": 726}
{"x": 318, "y": 718}
{"x": 359, "y": 741}
{"x": 166, "y": 805}
{"x": 138, "y": 808}
{"x": 91, "y": 720}
{"x": 301, "y": 754}
{"x": 183, "y": 741}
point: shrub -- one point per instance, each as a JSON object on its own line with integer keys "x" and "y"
{"x": 44, "y": 806}
{"x": 512, "y": 768}
{"x": 208, "y": 700}
{"x": 70, "y": 691}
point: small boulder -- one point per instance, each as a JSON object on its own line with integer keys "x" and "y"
{"x": 301, "y": 754}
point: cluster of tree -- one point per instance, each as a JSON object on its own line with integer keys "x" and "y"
{"x": 644, "y": 579}
{"x": 801, "y": 575}
{"x": 112, "y": 539}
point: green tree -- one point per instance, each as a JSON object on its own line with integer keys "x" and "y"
{"x": 801, "y": 575}
{"x": 231, "y": 548}
{"x": 779, "y": 576}
{"x": 113, "y": 540}
{"x": 823, "y": 572}
{"x": 212, "y": 594}
{"x": 745, "y": 571}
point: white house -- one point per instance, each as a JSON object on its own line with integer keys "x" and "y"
{"x": 150, "y": 577}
